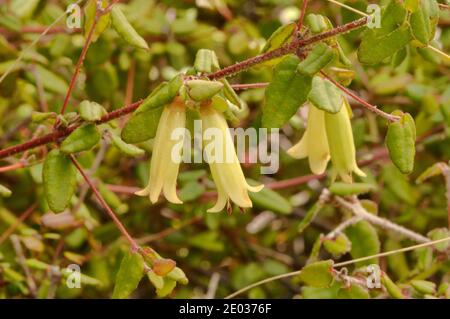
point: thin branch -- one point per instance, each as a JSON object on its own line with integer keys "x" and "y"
{"x": 63, "y": 132}
{"x": 32, "y": 44}
{"x": 341, "y": 264}
{"x": 286, "y": 49}
{"x": 445, "y": 55}
{"x": 249, "y": 86}
{"x": 86, "y": 45}
{"x": 370, "y": 107}
{"x": 349, "y": 8}
{"x": 302, "y": 15}
{"x": 342, "y": 226}
{"x": 359, "y": 211}
{"x": 22, "y": 262}
{"x": 112, "y": 215}
{"x": 19, "y": 221}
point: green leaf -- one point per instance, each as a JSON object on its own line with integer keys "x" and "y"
{"x": 355, "y": 291}
{"x": 168, "y": 287}
{"x": 178, "y": 275}
{"x": 401, "y": 142}
{"x": 346, "y": 189}
{"x": 433, "y": 170}
{"x": 24, "y": 8}
{"x": 128, "y": 276}
{"x": 271, "y": 200}
{"x": 59, "y": 179}
{"x": 393, "y": 290}
{"x": 141, "y": 126}
{"x": 126, "y": 30}
{"x": 103, "y": 22}
{"x": 162, "y": 95}
{"x": 380, "y": 43}
{"x": 191, "y": 191}
{"x": 325, "y": 95}
{"x": 157, "y": 281}
{"x": 128, "y": 149}
{"x": 440, "y": 233}
{"x": 365, "y": 241}
{"x": 310, "y": 215}
{"x": 320, "y": 56}
{"x": 5, "y": 191}
{"x": 424, "y": 286}
{"x": 201, "y": 90}
{"x": 287, "y": 91}
{"x": 373, "y": 50}
{"x": 318, "y": 274}
{"x": 230, "y": 94}
{"x": 337, "y": 246}
{"x": 278, "y": 38}
{"x": 206, "y": 61}
{"x": 91, "y": 111}
{"x": 208, "y": 241}
{"x": 50, "y": 81}
{"x": 317, "y": 23}
{"x": 424, "y": 21}
{"x": 83, "y": 138}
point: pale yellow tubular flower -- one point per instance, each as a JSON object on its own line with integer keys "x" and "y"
{"x": 314, "y": 142}
{"x": 342, "y": 147}
{"x": 226, "y": 170}
{"x": 163, "y": 168}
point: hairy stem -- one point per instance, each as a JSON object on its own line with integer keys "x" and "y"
{"x": 359, "y": 211}
{"x": 286, "y": 49}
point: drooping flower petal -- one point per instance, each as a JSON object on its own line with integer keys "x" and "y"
{"x": 163, "y": 166}
{"x": 314, "y": 142}
{"x": 223, "y": 161}
{"x": 342, "y": 146}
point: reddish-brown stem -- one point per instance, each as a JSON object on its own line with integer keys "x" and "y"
{"x": 80, "y": 63}
{"x": 39, "y": 30}
{"x": 238, "y": 67}
{"x": 302, "y": 15}
{"x": 286, "y": 49}
{"x": 370, "y": 107}
{"x": 112, "y": 215}
{"x": 63, "y": 132}
{"x": 249, "y": 86}
{"x": 130, "y": 83}
{"x": 20, "y": 220}
{"x": 12, "y": 167}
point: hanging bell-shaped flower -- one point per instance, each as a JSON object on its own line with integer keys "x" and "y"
{"x": 165, "y": 163}
{"x": 341, "y": 143}
{"x": 314, "y": 143}
{"x": 218, "y": 149}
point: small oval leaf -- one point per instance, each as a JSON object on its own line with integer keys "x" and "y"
{"x": 128, "y": 276}
{"x": 59, "y": 179}
{"x": 400, "y": 140}
{"x": 325, "y": 95}
{"x": 126, "y": 30}
{"x": 83, "y": 138}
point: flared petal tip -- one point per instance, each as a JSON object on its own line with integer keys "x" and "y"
{"x": 142, "y": 192}
{"x": 255, "y": 189}
{"x": 359, "y": 172}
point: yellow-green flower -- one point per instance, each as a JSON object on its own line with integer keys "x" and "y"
{"x": 314, "y": 142}
{"x": 342, "y": 146}
{"x": 164, "y": 164}
{"x": 329, "y": 136}
{"x": 224, "y": 164}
